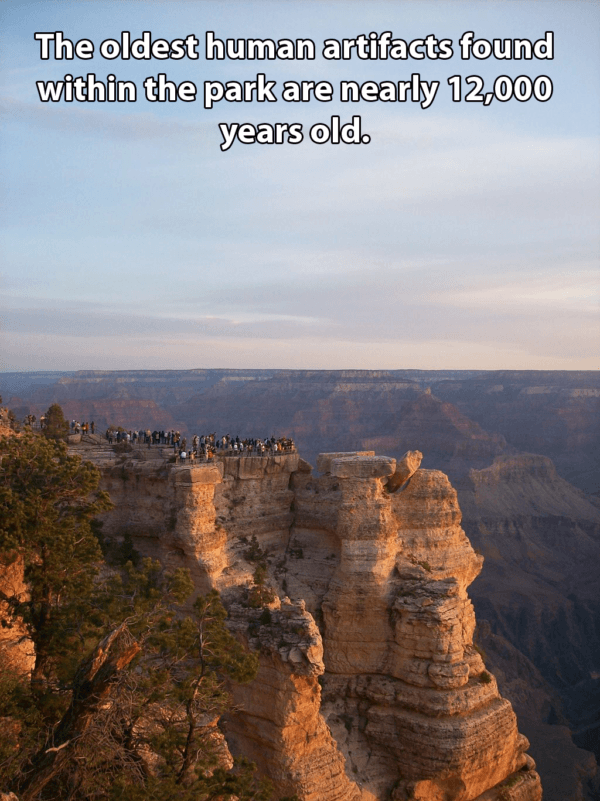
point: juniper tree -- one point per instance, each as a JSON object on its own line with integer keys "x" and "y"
{"x": 144, "y": 706}
{"x": 47, "y": 502}
{"x": 128, "y": 684}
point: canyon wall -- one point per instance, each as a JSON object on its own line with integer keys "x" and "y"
{"x": 370, "y": 686}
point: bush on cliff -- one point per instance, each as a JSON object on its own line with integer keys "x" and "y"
{"x": 260, "y": 595}
{"x": 140, "y": 710}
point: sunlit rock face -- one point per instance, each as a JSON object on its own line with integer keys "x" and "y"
{"x": 369, "y": 685}
{"x": 279, "y": 724}
{"x": 16, "y": 649}
{"x": 405, "y": 691}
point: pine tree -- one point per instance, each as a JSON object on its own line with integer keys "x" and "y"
{"x": 47, "y": 502}
{"x": 55, "y": 425}
{"x": 128, "y": 684}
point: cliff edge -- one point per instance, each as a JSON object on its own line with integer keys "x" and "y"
{"x": 370, "y": 687}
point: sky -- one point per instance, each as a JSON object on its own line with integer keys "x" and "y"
{"x": 461, "y": 236}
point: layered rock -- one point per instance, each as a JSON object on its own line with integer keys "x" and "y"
{"x": 194, "y": 530}
{"x": 405, "y": 468}
{"x": 16, "y": 649}
{"x": 534, "y": 589}
{"x": 255, "y": 498}
{"x": 398, "y": 637}
{"x": 6, "y": 429}
{"x": 446, "y": 435}
{"x": 539, "y": 591}
{"x": 199, "y": 515}
{"x": 568, "y": 773}
{"x": 373, "y": 553}
{"x": 280, "y": 725}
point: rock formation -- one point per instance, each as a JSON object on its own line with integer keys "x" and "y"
{"x": 5, "y": 422}
{"x": 405, "y": 468}
{"x": 280, "y": 725}
{"x": 370, "y": 687}
{"x": 402, "y": 674}
{"x": 539, "y": 585}
{"x": 16, "y": 650}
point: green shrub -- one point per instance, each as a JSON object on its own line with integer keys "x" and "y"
{"x": 254, "y": 553}
{"x": 259, "y": 596}
{"x": 265, "y": 618}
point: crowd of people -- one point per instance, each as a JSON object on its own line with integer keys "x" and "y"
{"x": 82, "y": 428}
{"x": 147, "y": 437}
{"x": 202, "y": 448}
{"x": 207, "y": 446}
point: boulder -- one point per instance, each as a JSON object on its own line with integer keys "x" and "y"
{"x": 324, "y": 460}
{"x": 405, "y": 468}
{"x": 362, "y": 466}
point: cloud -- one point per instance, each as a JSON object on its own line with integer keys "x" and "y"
{"x": 86, "y": 324}
{"x": 546, "y": 315}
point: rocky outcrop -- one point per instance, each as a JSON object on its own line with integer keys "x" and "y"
{"x": 199, "y": 516}
{"x": 541, "y": 540}
{"x": 280, "y": 725}
{"x": 539, "y": 591}
{"x": 553, "y": 413}
{"x": 568, "y": 773}
{"x": 16, "y": 649}
{"x": 369, "y": 686}
{"x": 540, "y": 566}
{"x": 404, "y": 683}
{"x": 194, "y": 531}
{"x": 405, "y": 468}
{"x": 446, "y": 435}
{"x": 6, "y": 429}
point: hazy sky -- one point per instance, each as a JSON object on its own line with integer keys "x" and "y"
{"x": 461, "y": 236}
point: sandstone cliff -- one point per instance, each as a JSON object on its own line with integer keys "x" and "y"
{"x": 16, "y": 650}
{"x": 405, "y": 692}
{"x": 370, "y": 686}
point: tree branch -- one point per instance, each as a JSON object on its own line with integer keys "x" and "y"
{"x": 92, "y": 686}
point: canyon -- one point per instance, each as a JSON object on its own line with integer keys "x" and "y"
{"x": 467, "y": 417}
{"x": 520, "y": 448}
